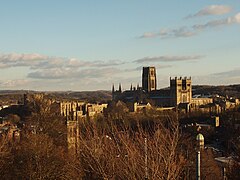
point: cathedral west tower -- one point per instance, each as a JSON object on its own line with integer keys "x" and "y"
{"x": 149, "y": 80}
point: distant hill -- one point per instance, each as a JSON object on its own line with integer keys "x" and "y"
{"x": 230, "y": 90}
{"x": 14, "y": 96}
{"x": 90, "y": 96}
{"x": 104, "y": 96}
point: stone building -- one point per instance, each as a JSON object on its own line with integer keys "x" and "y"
{"x": 75, "y": 111}
{"x": 199, "y": 101}
{"x": 93, "y": 109}
{"x": 137, "y": 107}
{"x": 177, "y": 95}
{"x": 149, "y": 80}
{"x": 73, "y": 136}
{"x": 180, "y": 91}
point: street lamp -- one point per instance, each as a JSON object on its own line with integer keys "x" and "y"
{"x": 200, "y": 145}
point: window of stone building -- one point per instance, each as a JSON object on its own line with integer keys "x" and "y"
{"x": 153, "y": 84}
{"x": 152, "y": 73}
{"x": 184, "y": 85}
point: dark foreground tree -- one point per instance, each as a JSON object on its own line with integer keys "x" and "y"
{"x": 131, "y": 153}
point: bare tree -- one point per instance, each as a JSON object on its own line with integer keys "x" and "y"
{"x": 120, "y": 153}
{"x": 5, "y": 156}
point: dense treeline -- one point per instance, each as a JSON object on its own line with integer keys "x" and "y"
{"x": 230, "y": 90}
{"x": 116, "y": 145}
{"x": 14, "y": 97}
{"x": 104, "y": 96}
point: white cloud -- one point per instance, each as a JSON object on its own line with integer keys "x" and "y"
{"x": 168, "y": 59}
{"x": 139, "y": 68}
{"x": 38, "y": 61}
{"x": 55, "y": 73}
{"x": 185, "y": 32}
{"x": 149, "y": 35}
{"x": 24, "y": 57}
{"x": 13, "y": 83}
{"x": 180, "y": 32}
{"x": 212, "y": 10}
{"x": 68, "y": 73}
{"x": 14, "y": 59}
{"x": 221, "y": 22}
{"x": 170, "y": 33}
{"x": 221, "y": 78}
{"x": 45, "y": 71}
{"x": 231, "y": 73}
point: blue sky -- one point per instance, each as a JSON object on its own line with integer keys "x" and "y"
{"x": 89, "y": 45}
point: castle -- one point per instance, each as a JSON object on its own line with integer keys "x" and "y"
{"x": 178, "y": 94}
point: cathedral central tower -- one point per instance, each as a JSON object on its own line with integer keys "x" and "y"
{"x": 149, "y": 80}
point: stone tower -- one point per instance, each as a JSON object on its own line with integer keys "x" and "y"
{"x": 149, "y": 80}
{"x": 181, "y": 90}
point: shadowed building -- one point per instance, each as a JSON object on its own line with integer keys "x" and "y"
{"x": 149, "y": 80}
{"x": 179, "y": 93}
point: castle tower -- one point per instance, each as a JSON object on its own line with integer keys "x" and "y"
{"x": 181, "y": 90}
{"x": 149, "y": 80}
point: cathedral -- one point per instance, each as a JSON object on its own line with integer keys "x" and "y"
{"x": 178, "y": 94}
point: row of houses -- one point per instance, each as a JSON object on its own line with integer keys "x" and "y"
{"x": 76, "y": 110}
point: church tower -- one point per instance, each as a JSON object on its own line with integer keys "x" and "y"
{"x": 181, "y": 90}
{"x": 149, "y": 80}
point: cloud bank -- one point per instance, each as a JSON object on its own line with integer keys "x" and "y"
{"x": 52, "y": 73}
{"x": 235, "y": 73}
{"x": 189, "y": 31}
{"x": 168, "y": 59}
{"x": 38, "y": 61}
{"x": 169, "y": 33}
{"x": 48, "y": 72}
{"x": 212, "y": 10}
{"x": 221, "y": 22}
{"x": 221, "y": 78}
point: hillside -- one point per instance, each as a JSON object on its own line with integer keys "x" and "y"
{"x": 90, "y": 96}
{"x": 8, "y": 96}
{"x": 12, "y": 97}
{"x": 230, "y": 90}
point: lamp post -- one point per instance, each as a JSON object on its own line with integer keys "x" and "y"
{"x": 200, "y": 145}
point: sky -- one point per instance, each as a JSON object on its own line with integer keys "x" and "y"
{"x": 78, "y": 45}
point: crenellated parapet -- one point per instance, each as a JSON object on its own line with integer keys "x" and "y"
{"x": 181, "y": 90}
